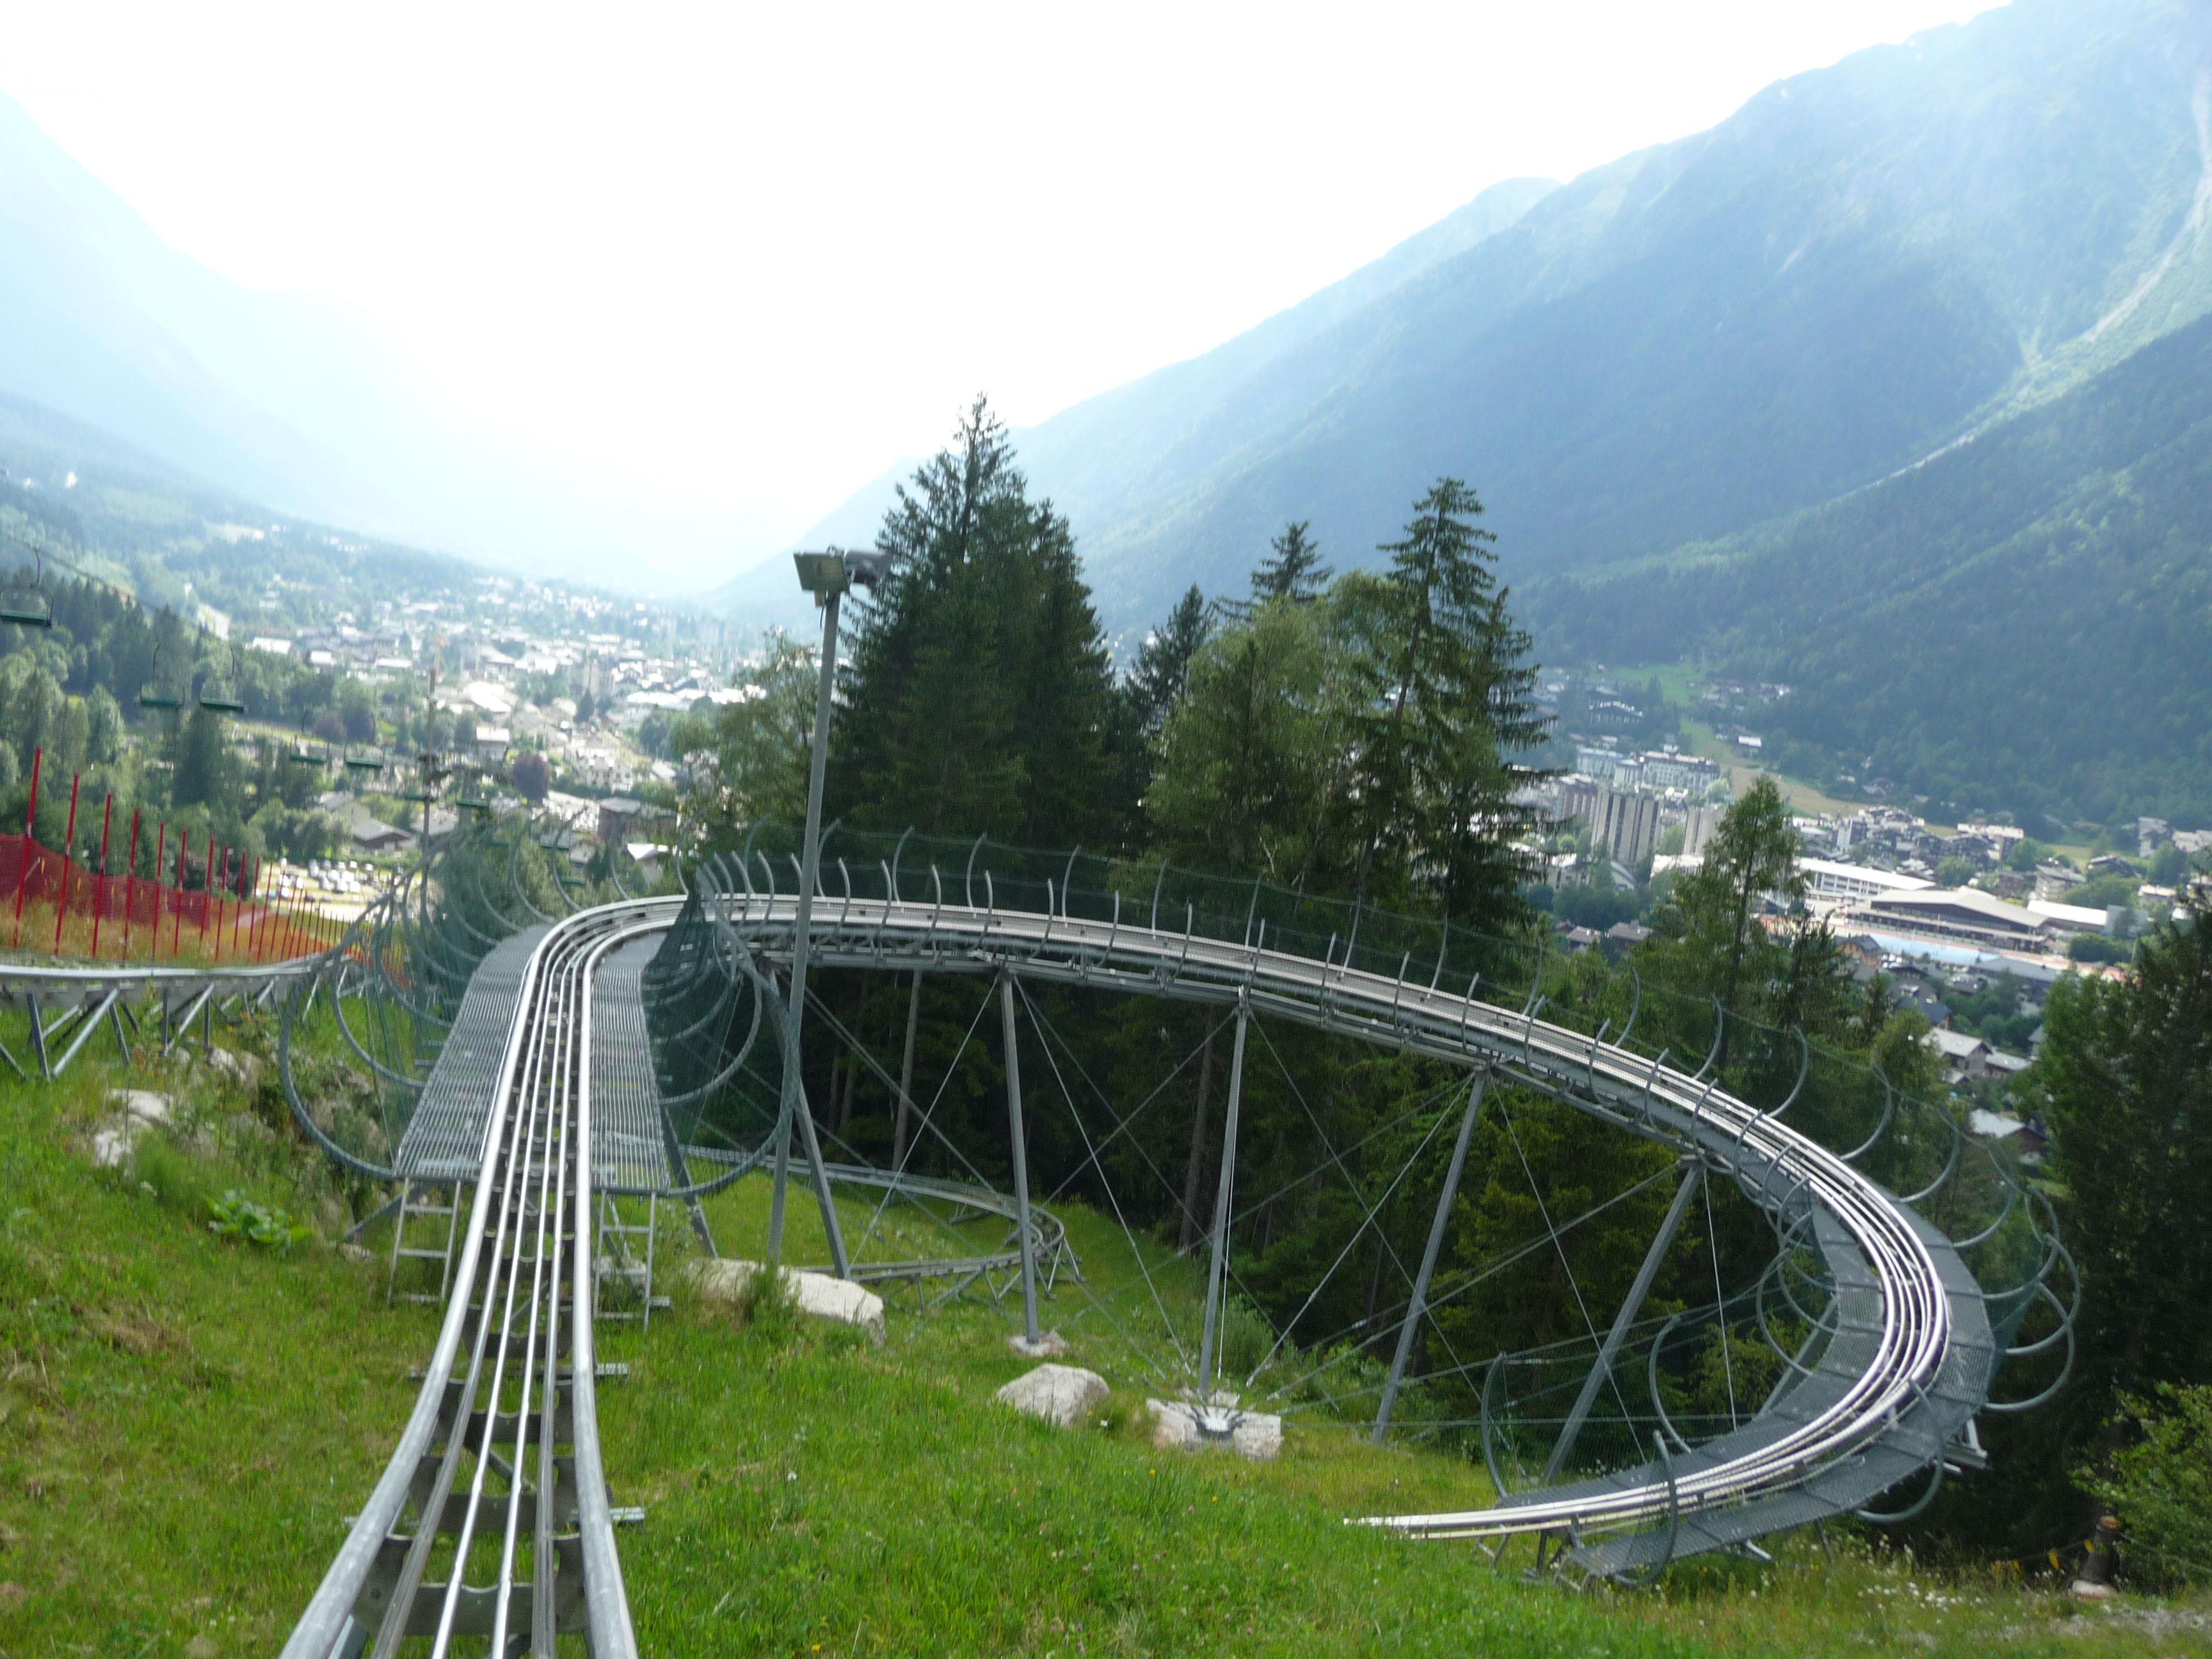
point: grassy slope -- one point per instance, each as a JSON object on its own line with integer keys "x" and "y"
{"x": 186, "y": 1424}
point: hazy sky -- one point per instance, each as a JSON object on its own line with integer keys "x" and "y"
{"x": 747, "y": 256}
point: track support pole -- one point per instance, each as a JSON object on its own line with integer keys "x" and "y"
{"x": 839, "y": 1263}
{"x": 39, "y": 1035}
{"x": 1014, "y": 1133}
{"x": 794, "y": 1103}
{"x": 1626, "y": 1317}
{"x": 1414, "y": 1307}
{"x": 1224, "y": 1194}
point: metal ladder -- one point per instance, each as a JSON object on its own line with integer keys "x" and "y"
{"x": 615, "y": 1259}
{"x": 411, "y": 1206}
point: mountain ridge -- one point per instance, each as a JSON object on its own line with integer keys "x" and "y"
{"x": 1861, "y": 266}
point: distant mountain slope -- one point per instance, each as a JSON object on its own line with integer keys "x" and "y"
{"x": 1160, "y": 427}
{"x": 108, "y": 324}
{"x": 134, "y": 520}
{"x": 1862, "y": 265}
{"x": 298, "y": 402}
{"x": 1163, "y": 433}
{"x": 2021, "y": 624}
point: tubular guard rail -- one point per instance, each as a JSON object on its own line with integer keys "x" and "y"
{"x": 1900, "y": 1359}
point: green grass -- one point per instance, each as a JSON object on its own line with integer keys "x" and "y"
{"x": 186, "y": 1423}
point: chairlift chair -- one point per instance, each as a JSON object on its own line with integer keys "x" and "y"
{"x": 364, "y": 760}
{"x": 154, "y": 694}
{"x": 220, "y": 693}
{"x": 25, "y": 603}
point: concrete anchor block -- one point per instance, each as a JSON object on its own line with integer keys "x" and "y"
{"x": 1187, "y": 1425}
{"x": 136, "y": 1107}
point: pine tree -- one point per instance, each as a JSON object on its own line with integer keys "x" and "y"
{"x": 204, "y": 768}
{"x": 1448, "y": 708}
{"x": 1163, "y": 665}
{"x": 980, "y": 697}
{"x": 1296, "y": 572}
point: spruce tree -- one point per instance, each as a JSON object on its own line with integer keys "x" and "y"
{"x": 1448, "y": 709}
{"x": 980, "y": 697}
{"x": 1296, "y": 572}
{"x": 1163, "y": 665}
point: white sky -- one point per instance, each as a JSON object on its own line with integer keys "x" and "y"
{"x": 747, "y": 256}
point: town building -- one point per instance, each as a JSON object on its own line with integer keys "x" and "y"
{"x": 1830, "y": 884}
{"x": 1624, "y": 825}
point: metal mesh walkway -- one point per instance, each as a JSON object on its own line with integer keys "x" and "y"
{"x": 444, "y": 1138}
{"x": 630, "y": 1137}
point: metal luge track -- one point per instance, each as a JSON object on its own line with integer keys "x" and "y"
{"x": 1919, "y": 1346}
{"x": 608, "y": 1067}
{"x": 483, "y": 1527}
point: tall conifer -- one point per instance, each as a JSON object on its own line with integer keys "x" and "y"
{"x": 1448, "y": 709}
{"x": 980, "y": 696}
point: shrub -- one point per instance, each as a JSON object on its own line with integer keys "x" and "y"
{"x": 2161, "y": 1486}
{"x": 236, "y": 1216}
{"x": 2095, "y": 947}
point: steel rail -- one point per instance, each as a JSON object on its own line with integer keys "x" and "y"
{"x": 1796, "y": 1174}
{"x": 512, "y": 1294}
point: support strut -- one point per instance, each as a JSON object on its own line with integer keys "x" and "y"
{"x": 1413, "y": 1309}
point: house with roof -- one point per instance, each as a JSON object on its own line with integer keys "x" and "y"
{"x": 1966, "y": 1057}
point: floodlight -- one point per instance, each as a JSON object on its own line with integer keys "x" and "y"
{"x": 822, "y": 573}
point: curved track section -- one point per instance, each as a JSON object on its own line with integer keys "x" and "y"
{"x": 1900, "y": 1358}
{"x": 1907, "y": 1349}
{"x": 479, "y": 1487}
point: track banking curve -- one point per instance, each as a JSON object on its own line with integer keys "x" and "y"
{"x": 1892, "y": 1374}
{"x": 1918, "y": 1314}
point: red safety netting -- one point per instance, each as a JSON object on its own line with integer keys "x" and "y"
{"x": 49, "y": 902}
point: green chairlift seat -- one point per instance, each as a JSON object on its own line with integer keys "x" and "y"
{"x": 220, "y": 692}
{"x": 25, "y": 603}
{"x": 154, "y": 694}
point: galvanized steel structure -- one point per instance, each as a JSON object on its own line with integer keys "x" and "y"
{"x": 538, "y": 1058}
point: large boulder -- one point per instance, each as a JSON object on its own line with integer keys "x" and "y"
{"x": 817, "y": 1294}
{"x": 1061, "y": 1395}
{"x": 133, "y": 1108}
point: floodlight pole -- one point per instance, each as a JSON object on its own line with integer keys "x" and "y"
{"x": 810, "y": 865}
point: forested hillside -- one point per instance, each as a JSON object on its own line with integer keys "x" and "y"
{"x": 1863, "y": 263}
{"x": 2017, "y": 625}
